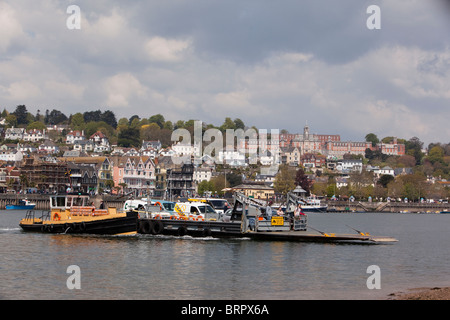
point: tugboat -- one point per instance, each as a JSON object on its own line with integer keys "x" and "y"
{"x": 23, "y": 205}
{"x": 74, "y": 214}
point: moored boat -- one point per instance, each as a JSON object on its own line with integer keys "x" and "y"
{"x": 75, "y": 214}
{"x": 23, "y": 205}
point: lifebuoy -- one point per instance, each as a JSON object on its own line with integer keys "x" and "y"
{"x": 56, "y": 217}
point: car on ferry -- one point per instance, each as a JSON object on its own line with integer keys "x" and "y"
{"x": 152, "y": 208}
{"x": 220, "y": 205}
{"x": 196, "y": 211}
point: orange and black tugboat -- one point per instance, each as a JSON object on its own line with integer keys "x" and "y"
{"x": 74, "y": 214}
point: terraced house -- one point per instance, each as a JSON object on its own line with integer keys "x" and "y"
{"x": 135, "y": 174}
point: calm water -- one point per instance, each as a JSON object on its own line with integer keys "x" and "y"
{"x": 33, "y": 266}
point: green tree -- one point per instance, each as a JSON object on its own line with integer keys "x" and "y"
{"x": 77, "y": 121}
{"x": 284, "y": 180}
{"x": 436, "y": 154}
{"x": 21, "y": 114}
{"x": 158, "y": 119}
{"x": 372, "y": 137}
{"x": 36, "y": 125}
{"x": 129, "y": 137}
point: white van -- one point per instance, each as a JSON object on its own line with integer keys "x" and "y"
{"x": 195, "y": 211}
{"x": 154, "y": 210}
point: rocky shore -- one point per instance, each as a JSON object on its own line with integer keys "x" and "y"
{"x": 435, "y": 293}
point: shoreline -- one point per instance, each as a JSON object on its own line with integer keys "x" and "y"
{"x": 424, "y": 293}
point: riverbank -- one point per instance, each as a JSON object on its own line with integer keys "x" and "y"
{"x": 435, "y": 293}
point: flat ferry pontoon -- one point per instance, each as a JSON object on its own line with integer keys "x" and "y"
{"x": 75, "y": 214}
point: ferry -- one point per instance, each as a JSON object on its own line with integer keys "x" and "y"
{"x": 312, "y": 204}
{"x": 23, "y": 205}
{"x": 76, "y": 214}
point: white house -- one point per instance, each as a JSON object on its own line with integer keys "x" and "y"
{"x": 83, "y": 145}
{"x": 49, "y": 147}
{"x": 201, "y": 174}
{"x": 232, "y": 158}
{"x": 349, "y": 165}
{"x": 11, "y": 156}
{"x": 34, "y": 135}
{"x": 73, "y": 136}
{"x": 14, "y": 133}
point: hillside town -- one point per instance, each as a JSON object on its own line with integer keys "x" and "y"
{"x": 93, "y": 153}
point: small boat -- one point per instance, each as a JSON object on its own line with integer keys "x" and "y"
{"x": 76, "y": 214}
{"x": 445, "y": 212}
{"x": 312, "y": 204}
{"x": 23, "y": 205}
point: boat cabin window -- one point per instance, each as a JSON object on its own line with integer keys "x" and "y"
{"x": 58, "y": 202}
{"x": 78, "y": 202}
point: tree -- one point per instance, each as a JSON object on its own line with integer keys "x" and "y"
{"x": 36, "y": 125}
{"x": 371, "y": 137}
{"x": 158, "y": 119}
{"x": 436, "y": 154}
{"x": 55, "y": 117}
{"x": 301, "y": 179}
{"x": 239, "y": 124}
{"x": 109, "y": 117}
{"x": 414, "y": 148}
{"x": 385, "y": 179}
{"x": 284, "y": 180}
{"x": 21, "y": 114}
{"x": 77, "y": 121}
{"x": 129, "y": 137}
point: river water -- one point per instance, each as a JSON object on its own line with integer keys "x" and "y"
{"x": 34, "y": 266}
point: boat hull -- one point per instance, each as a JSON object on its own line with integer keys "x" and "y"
{"x": 18, "y": 207}
{"x": 112, "y": 226}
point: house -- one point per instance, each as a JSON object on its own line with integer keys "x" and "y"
{"x": 257, "y": 191}
{"x": 290, "y": 156}
{"x": 102, "y": 166}
{"x": 202, "y": 174}
{"x": 35, "y": 135}
{"x": 386, "y": 171}
{"x": 49, "y": 147}
{"x": 11, "y": 156}
{"x": 312, "y": 160}
{"x": 151, "y": 144}
{"x": 101, "y": 142}
{"x": 26, "y": 148}
{"x": 232, "y": 158}
{"x": 83, "y": 145}
{"x": 137, "y": 173}
{"x": 402, "y": 171}
{"x": 349, "y": 165}
{"x": 14, "y": 133}
{"x": 73, "y": 136}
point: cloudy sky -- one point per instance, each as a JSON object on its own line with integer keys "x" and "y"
{"x": 274, "y": 64}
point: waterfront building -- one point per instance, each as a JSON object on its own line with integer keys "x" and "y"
{"x": 257, "y": 191}
{"x": 180, "y": 181}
